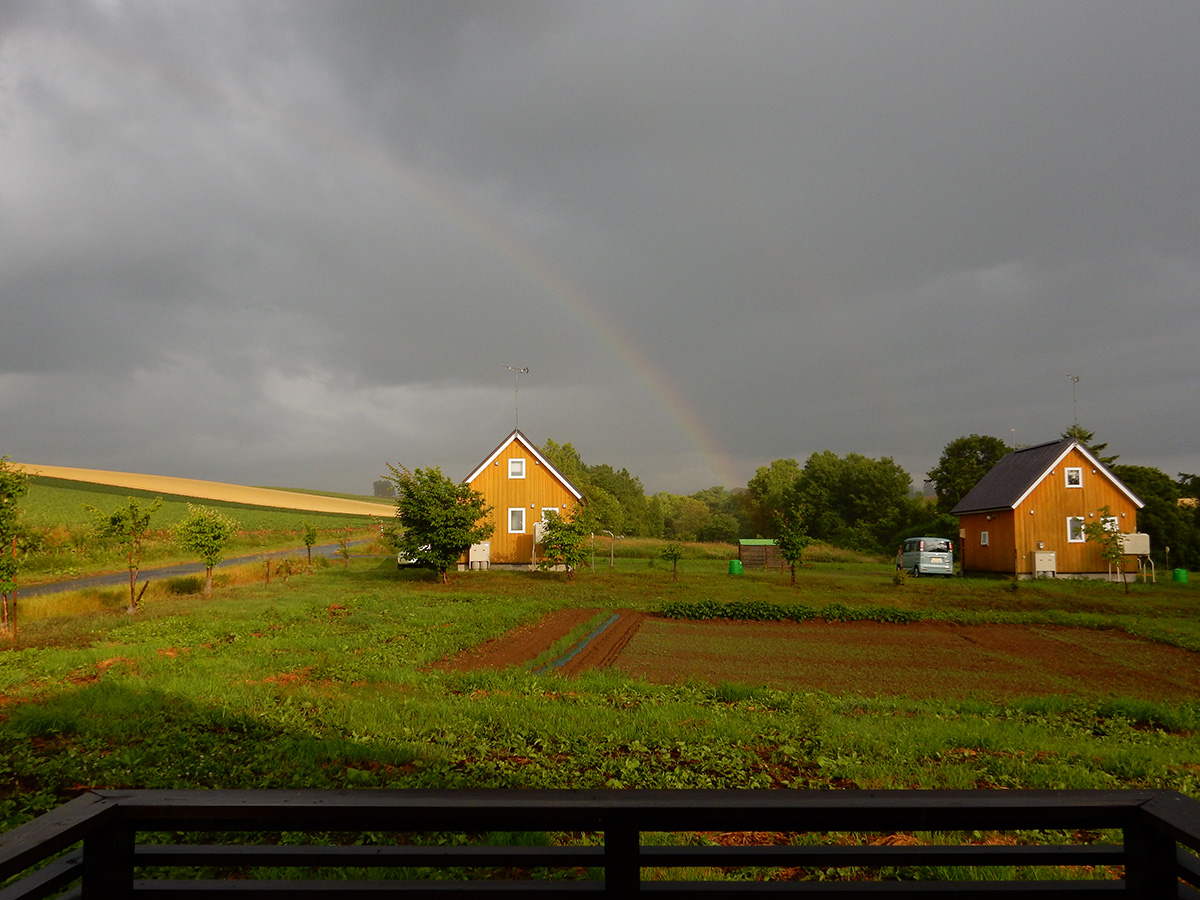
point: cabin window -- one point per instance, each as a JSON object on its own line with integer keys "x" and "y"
{"x": 1074, "y": 476}
{"x": 516, "y": 468}
{"x": 516, "y": 520}
{"x": 1110, "y": 523}
{"x": 1075, "y": 533}
{"x": 983, "y": 539}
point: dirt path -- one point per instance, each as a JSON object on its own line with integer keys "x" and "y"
{"x": 519, "y": 646}
{"x": 523, "y": 644}
{"x": 603, "y": 650}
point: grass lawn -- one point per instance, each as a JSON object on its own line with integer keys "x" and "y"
{"x": 325, "y": 680}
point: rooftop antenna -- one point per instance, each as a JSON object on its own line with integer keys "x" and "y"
{"x": 1074, "y": 412}
{"x": 517, "y": 371}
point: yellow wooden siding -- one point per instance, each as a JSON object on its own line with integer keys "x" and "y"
{"x": 1000, "y": 553}
{"x": 1013, "y": 535}
{"x": 1043, "y": 515}
{"x": 538, "y": 490}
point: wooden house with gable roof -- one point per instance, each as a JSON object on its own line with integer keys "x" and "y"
{"x": 1025, "y": 517}
{"x": 520, "y": 485}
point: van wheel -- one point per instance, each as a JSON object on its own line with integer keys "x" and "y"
{"x": 916, "y": 572}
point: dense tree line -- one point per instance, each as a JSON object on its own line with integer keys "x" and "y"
{"x": 852, "y": 501}
{"x": 860, "y": 502}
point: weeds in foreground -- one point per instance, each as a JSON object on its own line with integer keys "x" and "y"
{"x": 322, "y": 681}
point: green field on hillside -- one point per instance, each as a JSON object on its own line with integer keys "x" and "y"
{"x": 325, "y": 681}
{"x": 62, "y": 545}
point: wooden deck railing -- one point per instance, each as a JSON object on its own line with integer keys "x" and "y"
{"x": 106, "y": 845}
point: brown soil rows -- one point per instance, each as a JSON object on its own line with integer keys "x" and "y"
{"x": 928, "y": 659}
{"x": 521, "y": 645}
{"x": 602, "y": 651}
{"x": 524, "y": 643}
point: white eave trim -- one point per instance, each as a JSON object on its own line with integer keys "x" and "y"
{"x": 518, "y": 436}
{"x": 1099, "y": 467}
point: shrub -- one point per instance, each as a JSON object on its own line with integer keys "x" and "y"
{"x": 764, "y": 611}
{"x": 185, "y": 584}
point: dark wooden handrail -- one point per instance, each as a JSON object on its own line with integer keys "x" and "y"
{"x": 169, "y": 844}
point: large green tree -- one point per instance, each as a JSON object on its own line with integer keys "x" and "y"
{"x": 14, "y": 484}
{"x": 852, "y": 501}
{"x": 616, "y": 500}
{"x": 1168, "y": 522}
{"x": 684, "y": 518}
{"x": 439, "y": 519}
{"x": 963, "y": 462}
{"x": 127, "y": 525}
{"x": 205, "y": 532}
{"x": 729, "y": 511}
{"x": 769, "y": 493}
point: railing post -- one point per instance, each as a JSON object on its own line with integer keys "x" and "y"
{"x": 622, "y": 869}
{"x": 1150, "y": 868}
{"x": 108, "y": 863}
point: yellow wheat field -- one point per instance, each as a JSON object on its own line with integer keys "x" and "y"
{"x": 213, "y": 490}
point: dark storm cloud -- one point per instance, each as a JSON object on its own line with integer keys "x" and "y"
{"x": 284, "y": 243}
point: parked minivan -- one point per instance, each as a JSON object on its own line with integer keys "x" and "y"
{"x": 926, "y": 556}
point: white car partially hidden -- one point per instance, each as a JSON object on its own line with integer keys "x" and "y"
{"x": 405, "y": 562}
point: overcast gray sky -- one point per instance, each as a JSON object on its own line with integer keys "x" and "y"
{"x": 283, "y": 243}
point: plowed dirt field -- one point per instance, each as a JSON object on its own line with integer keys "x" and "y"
{"x": 920, "y": 660}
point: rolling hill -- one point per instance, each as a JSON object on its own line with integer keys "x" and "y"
{"x": 213, "y": 490}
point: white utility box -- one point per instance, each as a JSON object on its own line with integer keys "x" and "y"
{"x": 480, "y": 555}
{"x": 1135, "y": 543}
{"x": 1045, "y": 563}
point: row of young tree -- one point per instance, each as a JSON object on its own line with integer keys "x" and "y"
{"x": 859, "y": 502}
{"x": 204, "y": 532}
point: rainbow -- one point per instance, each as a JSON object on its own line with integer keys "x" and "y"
{"x": 469, "y": 219}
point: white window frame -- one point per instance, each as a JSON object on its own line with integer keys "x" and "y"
{"x": 511, "y": 518}
{"x": 1075, "y": 535}
{"x": 983, "y": 539}
{"x": 1077, "y": 472}
{"x": 1111, "y": 523}
{"x": 516, "y": 467}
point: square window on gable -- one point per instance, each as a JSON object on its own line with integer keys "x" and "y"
{"x": 516, "y": 468}
{"x": 1074, "y": 476}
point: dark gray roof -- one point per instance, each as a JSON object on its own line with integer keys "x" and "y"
{"x": 1012, "y": 477}
{"x": 1018, "y": 472}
